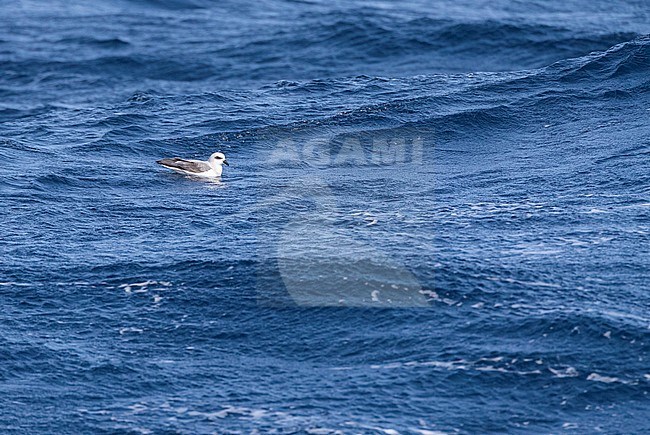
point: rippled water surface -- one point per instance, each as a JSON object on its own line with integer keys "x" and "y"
{"x": 436, "y": 218}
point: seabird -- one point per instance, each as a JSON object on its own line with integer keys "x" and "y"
{"x": 197, "y": 168}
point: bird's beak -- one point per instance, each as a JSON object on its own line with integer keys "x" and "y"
{"x": 225, "y": 162}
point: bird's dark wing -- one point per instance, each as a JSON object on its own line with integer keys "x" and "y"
{"x": 194, "y": 166}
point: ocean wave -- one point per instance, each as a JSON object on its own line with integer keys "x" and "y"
{"x": 374, "y": 38}
{"x": 95, "y": 42}
{"x": 622, "y": 60}
{"x": 446, "y": 109}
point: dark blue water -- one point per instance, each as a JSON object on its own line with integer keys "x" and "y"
{"x": 436, "y": 218}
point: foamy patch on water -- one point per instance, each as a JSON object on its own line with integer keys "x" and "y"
{"x": 621, "y": 315}
{"x": 227, "y": 411}
{"x": 368, "y": 218}
{"x": 138, "y": 408}
{"x": 526, "y": 283}
{"x": 389, "y": 431}
{"x": 386, "y": 431}
{"x": 323, "y": 431}
{"x": 606, "y": 379}
{"x": 259, "y": 415}
{"x": 94, "y": 411}
{"x": 131, "y": 330}
{"x": 144, "y": 286}
{"x": 522, "y": 307}
{"x": 179, "y": 409}
{"x": 430, "y": 294}
{"x": 567, "y": 372}
{"x": 429, "y": 432}
{"x": 505, "y": 370}
{"x": 480, "y": 365}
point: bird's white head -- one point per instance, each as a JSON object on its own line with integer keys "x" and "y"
{"x": 218, "y": 159}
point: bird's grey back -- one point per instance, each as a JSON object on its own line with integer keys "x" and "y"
{"x": 185, "y": 165}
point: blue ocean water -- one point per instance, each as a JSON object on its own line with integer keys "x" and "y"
{"x": 436, "y": 218}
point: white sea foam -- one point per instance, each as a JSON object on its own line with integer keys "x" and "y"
{"x": 567, "y": 372}
{"x": 459, "y": 365}
{"x": 429, "y": 432}
{"x": 147, "y": 284}
{"x": 621, "y": 315}
{"x": 144, "y": 286}
{"x": 526, "y": 283}
{"x": 131, "y": 330}
{"x": 430, "y": 294}
{"x": 605, "y": 379}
